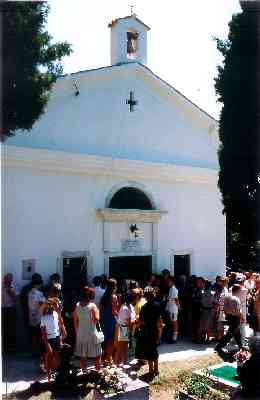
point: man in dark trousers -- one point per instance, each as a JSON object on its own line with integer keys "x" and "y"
{"x": 232, "y": 309}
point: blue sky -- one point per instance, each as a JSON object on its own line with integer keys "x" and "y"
{"x": 180, "y": 45}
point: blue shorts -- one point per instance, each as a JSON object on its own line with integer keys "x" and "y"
{"x": 55, "y": 344}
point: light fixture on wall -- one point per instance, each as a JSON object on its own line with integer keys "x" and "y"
{"x": 76, "y": 93}
{"x": 134, "y": 230}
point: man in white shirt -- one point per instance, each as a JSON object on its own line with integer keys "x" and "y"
{"x": 234, "y": 315}
{"x": 98, "y": 290}
{"x": 172, "y": 307}
{"x": 242, "y": 295}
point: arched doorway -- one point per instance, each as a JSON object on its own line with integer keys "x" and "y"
{"x": 130, "y": 198}
{"x": 130, "y": 219}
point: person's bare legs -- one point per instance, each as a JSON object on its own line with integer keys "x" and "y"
{"x": 55, "y": 360}
{"x": 98, "y": 362}
{"x": 124, "y": 348}
{"x": 109, "y": 351}
{"x": 118, "y": 355}
{"x": 151, "y": 370}
{"x": 156, "y": 367}
{"x": 175, "y": 330}
{"x": 82, "y": 363}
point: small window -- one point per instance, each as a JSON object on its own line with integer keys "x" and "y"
{"x": 131, "y": 44}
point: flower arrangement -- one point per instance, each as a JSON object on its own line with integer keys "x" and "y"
{"x": 107, "y": 380}
{"x": 241, "y": 356}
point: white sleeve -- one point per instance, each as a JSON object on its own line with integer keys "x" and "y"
{"x": 173, "y": 293}
{"x": 41, "y": 298}
{"x": 133, "y": 315}
{"x": 16, "y": 290}
{"x": 43, "y": 321}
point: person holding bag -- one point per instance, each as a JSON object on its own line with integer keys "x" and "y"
{"x": 126, "y": 319}
{"x": 53, "y": 331}
{"x": 88, "y": 336}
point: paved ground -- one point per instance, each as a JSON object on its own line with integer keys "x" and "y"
{"x": 19, "y": 371}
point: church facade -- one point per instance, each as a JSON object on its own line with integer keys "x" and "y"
{"x": 119, "y": 176}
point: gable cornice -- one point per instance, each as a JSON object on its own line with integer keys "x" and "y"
{"x": 167, "y": 92}
{"x": 73, "y": 163}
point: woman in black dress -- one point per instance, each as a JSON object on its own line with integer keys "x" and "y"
{"x": 149, "y": 333}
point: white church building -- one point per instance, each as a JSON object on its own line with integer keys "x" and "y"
{"x": 119, "y": 176}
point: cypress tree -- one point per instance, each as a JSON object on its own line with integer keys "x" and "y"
{"x": 31, "y": 63}
{"x": 238, "y": 89}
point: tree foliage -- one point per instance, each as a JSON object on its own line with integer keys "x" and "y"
{"x": 238, "y": 88}
{"x": 31, "y": 64}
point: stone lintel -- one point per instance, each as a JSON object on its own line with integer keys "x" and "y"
{"x": 118, "y": 215}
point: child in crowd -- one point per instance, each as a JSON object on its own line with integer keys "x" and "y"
{"x": 173, "y": 307}
{"x": 53, "y": 331}
{"x": 126, "y": 319}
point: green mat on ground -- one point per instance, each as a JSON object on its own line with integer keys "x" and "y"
{"x": 227, "y": 372}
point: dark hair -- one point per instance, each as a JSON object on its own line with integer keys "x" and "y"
{"x": 165, "y": 272}
{"x": 36, "y": 279}
{"x": 149, "y": 294}
{"x": 208, "y": 285}
{"x": 49, "y": 306}
{"x": 55, "y": 277}
{"x": 88, "y": 293}
{"x": 55, "y": 290}
{"x": 126, "y": 298}
{"x": 107, "y": 296}
{"x": 133, "y": 284}
{"x": 97, "y": 280}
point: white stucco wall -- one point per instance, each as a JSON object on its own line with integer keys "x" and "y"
{"x": 46, "y": 212}
{"x": 163, "y": 128}
{"x": 57, "y": 176}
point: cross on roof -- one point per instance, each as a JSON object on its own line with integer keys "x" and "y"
{"x": 131, "y": 101}
{"x": 131, "y": 8}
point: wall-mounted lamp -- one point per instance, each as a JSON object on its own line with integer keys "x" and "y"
{"x": 76, "y": 89}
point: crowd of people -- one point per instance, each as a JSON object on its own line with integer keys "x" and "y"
{"x": 110, "y": 321}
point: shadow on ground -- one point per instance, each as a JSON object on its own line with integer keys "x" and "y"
{"x": 77, "y": 390}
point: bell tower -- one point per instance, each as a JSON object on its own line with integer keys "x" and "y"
{"x": 128, "y": 40}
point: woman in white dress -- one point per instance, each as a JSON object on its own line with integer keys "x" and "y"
{"x": 85, "y": 318}
{"x": 126, "y": 319}
{"x": 173, "y": 307}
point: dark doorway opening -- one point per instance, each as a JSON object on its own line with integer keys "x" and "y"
{"x": 74, "y": 273}
{"x": 130, "y": 198}
{"x": 133, "y": 267}
{"x": 74, "y": 279}
{"x": 182, "y": 265}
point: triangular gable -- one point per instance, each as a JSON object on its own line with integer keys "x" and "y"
{"x": 149, "y": 78}
{"x": 114, "y": 22}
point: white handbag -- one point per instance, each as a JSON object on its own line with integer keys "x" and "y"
{"x": 99, "y": 335}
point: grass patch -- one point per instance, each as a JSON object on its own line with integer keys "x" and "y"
{"x": 173, "y": 375}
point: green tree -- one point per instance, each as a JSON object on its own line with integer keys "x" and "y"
{"x": 31, "y": 64}
{"x": 238, "y": 89}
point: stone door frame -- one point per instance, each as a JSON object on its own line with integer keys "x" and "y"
{"x": 75, "y": 254}
{"x": 182, "y": 252}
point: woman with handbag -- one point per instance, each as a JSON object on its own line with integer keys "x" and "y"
{"x": 88, "y": 337}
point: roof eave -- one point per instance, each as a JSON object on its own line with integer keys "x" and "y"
{"x": 114, "y": 22}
